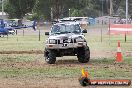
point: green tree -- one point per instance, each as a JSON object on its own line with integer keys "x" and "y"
{"x": 18, "y": 8}
{"x": 60, "y": 8}
{"x": 77, "y": 13}
{"x": 43, "y": 9}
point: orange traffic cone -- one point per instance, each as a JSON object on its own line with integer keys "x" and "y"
{"x": 119, "y": 53}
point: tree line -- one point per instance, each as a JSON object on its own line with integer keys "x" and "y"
{"x": 54, "y": 9}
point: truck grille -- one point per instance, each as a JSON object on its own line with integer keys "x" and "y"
{"x": 75, "y": 41}
{"x": 65, "y": 41}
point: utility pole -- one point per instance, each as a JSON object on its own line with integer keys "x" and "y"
{"x": 102, "y": 20}
{"x": 69, "y": 12}
{"x": 111, "y": 7}
{"x": 102, "y": 8}
{"x": 126, "y": 17}
{"x": 126, "y": 11}
{"x": 51, "y": 13}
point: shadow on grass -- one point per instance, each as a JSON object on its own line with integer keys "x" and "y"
{"x": 92, "y": 61}
{"x": 102, "y": 61}
{"x": 95, "y": 61}
{"x": 69, "y": 61}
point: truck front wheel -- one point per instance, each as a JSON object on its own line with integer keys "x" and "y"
{"x": 50, "y": 56}
{"x": 83, "y": 54}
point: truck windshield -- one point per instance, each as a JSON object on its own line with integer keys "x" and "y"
{"x": 62, "y": 28}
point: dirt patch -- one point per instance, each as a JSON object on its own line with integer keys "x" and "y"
{"x": 40, "y": 83}
{"x": 94, "y": 54}
{"x": 129, "y": 53}
{"x": 54, "y": 82}
{"x": 22, "y": 52}
{"x": 48, "y": 83}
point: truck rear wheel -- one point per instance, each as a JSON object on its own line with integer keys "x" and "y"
{"x": 83, "y": 54}
{"x": 50, "y": 56}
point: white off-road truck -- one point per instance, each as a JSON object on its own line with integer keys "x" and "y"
{"x": 66, "y": 39}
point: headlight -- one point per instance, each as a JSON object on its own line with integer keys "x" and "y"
{"x": 52, "y": 41}
{"x": 79, "y": 39}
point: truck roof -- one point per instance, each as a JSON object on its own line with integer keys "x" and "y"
{"x": 67, "y": 23}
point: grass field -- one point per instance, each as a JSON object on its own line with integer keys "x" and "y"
{"x": 33, "y": 65}
{"x": 21, "y": 43}
{"x": 31, "y": 71}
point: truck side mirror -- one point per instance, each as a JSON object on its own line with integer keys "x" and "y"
{"x": 46, "y": 33}
{"x": 84, "y": 31}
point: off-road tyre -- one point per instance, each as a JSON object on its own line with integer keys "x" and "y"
{"x": 50, "y": 56}
{"x": 83, "y": 54}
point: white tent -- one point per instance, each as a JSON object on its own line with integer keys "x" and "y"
{"x": 5, "y": 15}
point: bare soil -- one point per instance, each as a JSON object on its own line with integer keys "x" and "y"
{"x": 22, "y": 52}
{"x": 53, "y": 82}
{"x": 95, "y": 54}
